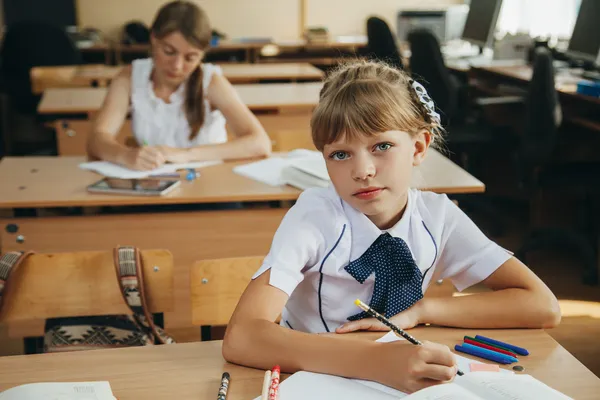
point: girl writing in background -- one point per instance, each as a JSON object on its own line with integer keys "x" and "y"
{"x": 179, "y": 106}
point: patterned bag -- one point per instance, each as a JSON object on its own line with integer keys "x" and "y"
{"x": 95, "y": 332}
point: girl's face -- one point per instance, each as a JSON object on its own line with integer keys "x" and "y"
{"x": 175, "y": 58}
{"x": 373, "y": 173}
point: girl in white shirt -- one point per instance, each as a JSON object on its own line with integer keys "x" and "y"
{"x": 178, "y": 105}
{"x": 369, "y": 236}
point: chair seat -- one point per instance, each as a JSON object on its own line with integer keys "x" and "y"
{"x": 480, "y": 135}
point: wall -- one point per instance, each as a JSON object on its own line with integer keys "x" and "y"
{"x": 279, "y": 19}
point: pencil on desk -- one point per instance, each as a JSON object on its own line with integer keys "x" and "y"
{"x": 393, "y": 327}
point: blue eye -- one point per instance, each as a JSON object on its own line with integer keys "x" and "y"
{"x": 338, "y": 155}
{"x": 383, "y": 146}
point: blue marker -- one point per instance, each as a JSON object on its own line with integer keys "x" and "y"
{"x": 485, "y": 353}
{"x": 518, "y": 350}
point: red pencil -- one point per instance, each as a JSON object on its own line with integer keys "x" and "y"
{"x": 485, "y": 346}
{"x": 274, "y": 389}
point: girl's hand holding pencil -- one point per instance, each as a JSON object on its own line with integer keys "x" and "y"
{"x": 409, "y": 365}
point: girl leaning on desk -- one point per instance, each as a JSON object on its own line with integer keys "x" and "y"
{"x": 179, "y": 105}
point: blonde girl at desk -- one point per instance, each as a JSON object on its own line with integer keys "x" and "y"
{"x": 179, "y": 105}
{"x": 369, "y": 236}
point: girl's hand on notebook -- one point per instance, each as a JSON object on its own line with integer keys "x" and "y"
{"x": 144, "y": 158}
{"x": 405, "y": 320}
{"x": 409, "y": 368}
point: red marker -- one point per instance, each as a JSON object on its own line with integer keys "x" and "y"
{"x": 274, "y": 389}
{"x": 485, "y": 346}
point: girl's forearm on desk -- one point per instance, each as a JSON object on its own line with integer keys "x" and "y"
{"x": 107, "y": 150}
{"x": 263, "y": 344}
{"x": 508, "y": 308}
{"x": 246, "y": 146}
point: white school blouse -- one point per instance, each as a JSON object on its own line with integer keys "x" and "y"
{"x": 157, "y": 123}
{"x": 321, "y": 234}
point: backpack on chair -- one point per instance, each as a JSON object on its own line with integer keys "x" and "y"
{"x": 95, "y": 332}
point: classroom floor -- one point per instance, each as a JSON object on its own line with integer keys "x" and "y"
{"x": 578, "y": 332}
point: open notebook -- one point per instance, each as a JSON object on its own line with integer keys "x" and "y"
{"x": 60, "y": 391}
{"x": 504, "y": 385}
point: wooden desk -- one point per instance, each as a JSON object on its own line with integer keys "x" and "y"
{"x": 246, "y": 73}
{"x": 40, "y": 182}
{"x": 276, "y": 96}
{"x": 190, "y": 232}
{"x": 193, "y": 370}
{"x": 43, "y": 78}
{"x": 299, "y": 50}
{"x": 578, "y": 109}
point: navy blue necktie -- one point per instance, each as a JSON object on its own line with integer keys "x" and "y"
{"x": 398, "y": 279}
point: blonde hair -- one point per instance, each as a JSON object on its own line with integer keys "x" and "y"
{"x": 192, "y": 22}
{"x": 367, "y": 98}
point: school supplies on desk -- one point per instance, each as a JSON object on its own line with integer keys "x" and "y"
{"x": 225, "y": 379}
{"x": 485, "y": 353}
{"x": 483, "y": 344}
{"x": 134, "y": 187}
{"x": 60, "y": 390}
{"x": 497, "y": 343}
{"x": 111, "y": 170}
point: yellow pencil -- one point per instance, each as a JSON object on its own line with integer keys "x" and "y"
{"x": 389, "y": 324}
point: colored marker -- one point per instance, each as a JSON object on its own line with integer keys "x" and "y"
{"x": 274, "y": 389}
{"x": 489, "y": 347}
{"x": 222, "y": 395}
{"x": 510, "y": 347}
{"x": 484, "y": 353}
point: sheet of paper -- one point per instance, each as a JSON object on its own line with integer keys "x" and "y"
{"x": 111, "y": 170}
{"x": 494, "y": 386}
{"x": 310, "y": 386}
{"x": 267, "y": 171}
{"x": 60, "y": 391}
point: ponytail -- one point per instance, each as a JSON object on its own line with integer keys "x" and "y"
{"x": 194, "y": 101}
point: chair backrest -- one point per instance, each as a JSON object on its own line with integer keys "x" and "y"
{"x": 427, "y": 67}
{"x": 33, "y": 44}
{"x": 81, "y": 284}
{"x": 543, "y": 113}
{"x": 216, "y": 287}
{"x": 382, "y": 43}
{"x": 72, "y": 136}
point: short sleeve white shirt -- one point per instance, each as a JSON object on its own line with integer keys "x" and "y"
{"x": 321, "y": 234}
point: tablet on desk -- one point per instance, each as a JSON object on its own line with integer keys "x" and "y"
{"x": 136, "y": 187}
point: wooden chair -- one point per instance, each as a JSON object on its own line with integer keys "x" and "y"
{"x": 81, "y": 284}
{"x": 72, "y": 136}
{"x": 216, "y": 287}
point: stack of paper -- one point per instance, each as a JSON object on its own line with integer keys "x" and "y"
{"x": 299, "y": 169}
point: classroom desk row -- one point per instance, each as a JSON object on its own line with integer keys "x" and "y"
{"x": 43, "y": 78}
{"x": 249, "y": 51}
{"x": 35, "y": 187}
{"x": 580, "y": 110}
{"x": 193, "y": 370}
{"x": 276, "y": 96}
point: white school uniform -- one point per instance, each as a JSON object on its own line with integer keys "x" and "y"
{"x": 156, "y": 122}
{"x": 321, "y": 234}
